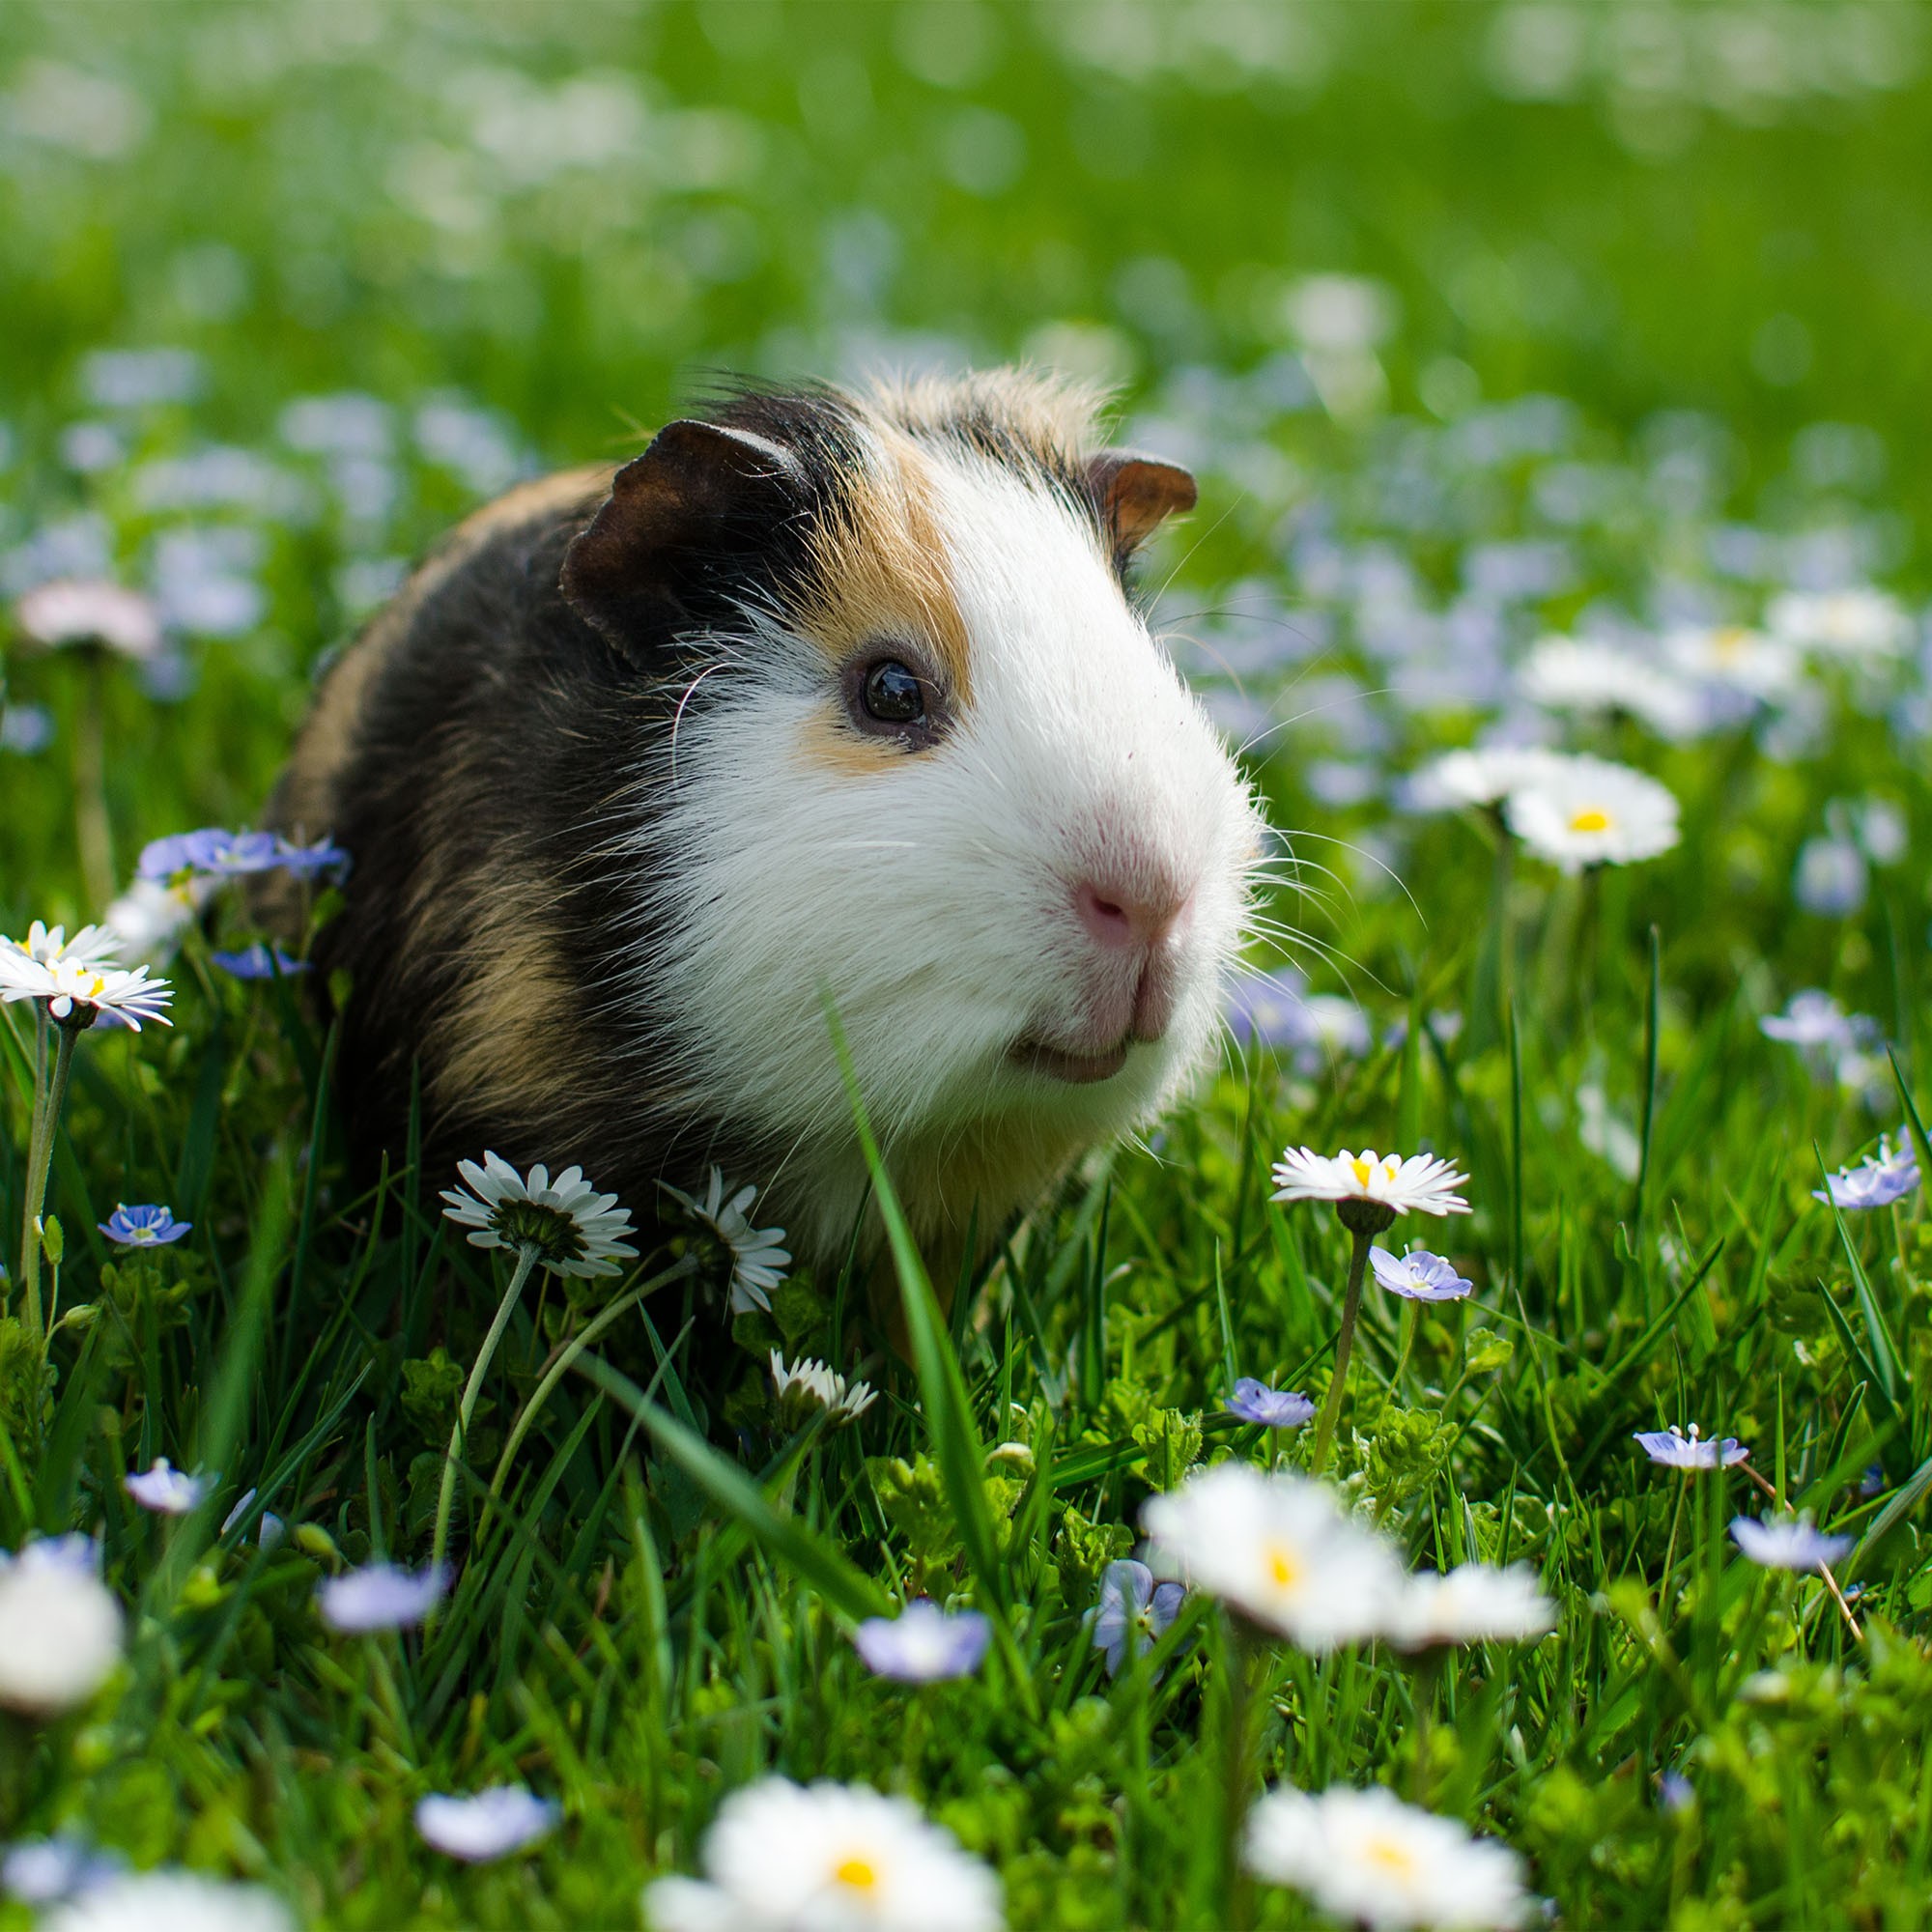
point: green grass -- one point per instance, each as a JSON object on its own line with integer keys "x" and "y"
{"x": 654, "y": 1606}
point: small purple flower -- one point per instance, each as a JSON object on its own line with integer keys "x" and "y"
{"x": 1267, "y": 1009}
{"x": 1677, "y": 1451}
{"x": 44, "y": 1871}
{"x": 1272, "y": 1409}
{"x": 211, "y": 851}
{"x": 310, "y": 862}
{"x": 164, "y": 1489}
{"x": 74, "y": 1552}
{"x": 269, "y": 1532}
{"x": 1872, "y": 1482}
{"x": 1877, "y": 1182}
{"x": 489, "y": 1825}
{"x": 145, "y": 1227}
{"x": 1132, "y": 1607}
{"x": 1786, "y": 1545}
{"x": 1418, "y": 1275}
{"x": 381, "y": 1597}
{"x": 259, "y": 962}
{"x": 1674, "y": 1792}
{"x": 923, "y": 1644}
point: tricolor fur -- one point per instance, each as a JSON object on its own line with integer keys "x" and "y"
{"x": 622, "y": 829}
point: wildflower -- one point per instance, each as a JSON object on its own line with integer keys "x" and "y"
{"x": 165, "y": 1490}
{"x": 1277, "y": 1549}
{"x": 1786, "y": 1545}
{"x": 1418, "y": 1275}
{"x": 171, "y": 1901}
{"x": 147, "y": 1227}
{"x": 1587, "y": 674}
{"x": 1132, "y": 1608}
{"x": 489, "y": 1825}
{"x": 923, "y": 1644}
{"x": 44, "y": 1871}
{"x": 269, "y": 1532}
{"x": 1674, "y": 1792}
{"x": 1849, "y": 624}
{"x": 309, "y": 862}
{"x": 827, "y": 1857}
{"x": 1877, "y": 1182}
{"x": 81, "y": 611}
{"x": 808, "y": 1387}
{"x": 79, "y": 986}
{"x": 1475, "y": 1602}
{"x": 60, "y": 1626}
{"x": 1367, "y": 1856}
{"x": 757, "y": 1260}
{"x": 574, "y": 1230}
{"x": 1484, "y": 776}
{"x": 1264, "y": 1007}
{"x": 381, "y": 1597}
{"x": 1587, "y": 811}
{"x": 1390, "y": 1184}
{"x": 1272, "y": 1409}
{"x": 210, "y": 852}
{"x": 148, "y": 918}
{"x": 1831, "y": 879}
{"x": 1735, "y": 656}
{"x": 1811, "y": 1019}
{"x": 259, "y": 962}
{"x": 1677, "y": 1451}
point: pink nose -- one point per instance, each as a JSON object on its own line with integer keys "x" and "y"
{"x": 1119, "y": 918}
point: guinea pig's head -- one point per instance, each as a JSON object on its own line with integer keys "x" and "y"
{"x": 925, "y": 768}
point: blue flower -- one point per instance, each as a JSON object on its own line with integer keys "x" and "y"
{"x": 1272, "y": 1409}
{"x": 1879, "y": 1180}
{"x": 44, "y": 1871}
{"x": 1134, "y": 1608}
{"x": 923, "y": 1644}
{"x": 1268, "y": 1008}
{"x": 218, "y": 854}
{"x": 489, "y": 1825}
{"x": 145, "y": 1227}
{"x": 1418, "y": 1275}
{"x": 309, "y": 862}
{"x": 381, "y": 1597}
{"x": 1677, "y": 1451}
{"x": 259, "y": 962}
{"x": 1786, "y": 1545}
{"x": 165, "y": 1490}
{"x": 1674, "y": 1792}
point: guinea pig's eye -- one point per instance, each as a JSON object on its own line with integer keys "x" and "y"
{"x": 893, "y": 694}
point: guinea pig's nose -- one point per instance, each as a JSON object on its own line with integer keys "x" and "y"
{"x": 1119, "y": 916}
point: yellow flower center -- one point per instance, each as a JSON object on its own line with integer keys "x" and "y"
{"x": 1363, "y": 1170}
{"x": 1592, "y": 818}
{"x": 1283, "y": 1570}
{"x": 1396, "y": 1859}
{"x": 857, "y": 1873}
{"x": 1730, "y": 642}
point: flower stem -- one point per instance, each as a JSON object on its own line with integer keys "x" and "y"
{"x": 92, "y": 832}
{"x": 1235, "y": 1769}
{"x": 1344, "y": 1342}
{"x": 527, "y": 1258}
{"x": 39, "y": 1160}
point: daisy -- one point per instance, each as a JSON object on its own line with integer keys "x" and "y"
{"x": 1277, "y": 1549}
{"x": 1587, "y": 674}
{"x": 171, "y": 1901}
{"x": 1132, "y": 1608}
{"x": 1418, "y": 1275}
{"x": 807, "y": 1386}
{"x": 1735, "y": 656}
{"x": 574, "y": 1230}
{"x": 1675, "y": 1450}
{"x": 1877, "y": 1182}
{"x": 381, "y": 1597}
{"x": 47, "y": 945}
{"x": 1474, "y": 1603}
{"x": 165, "y": 1490}
{"x": 923, "y": 1644}
{"x": 1841, "y": 623}
{"x": 759, "y": 1261}
{"x": 826, "y": 1857}
{"x": 489, "y": 1824}
{"x": 1272, "y": 1409}
{"x": 1418, "y": 1183}
{"x": 1367, "y": 1856}
{"x": 1587, "y": 811}
{"x": 60, "y": 1629}
{"x": 1786, "y": 1545}
{"x": 148, "y": 1227}
{"x": 1484, "y": 776}
{"x": 78, "y": 987}
{"x": 72, "y": 611}
{"x": 148, "y": 920}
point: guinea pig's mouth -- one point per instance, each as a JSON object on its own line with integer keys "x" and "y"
{"x": 1076, "y": 1069}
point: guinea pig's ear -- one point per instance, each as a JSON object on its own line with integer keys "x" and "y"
{"x": 654, "y": 557}
{"x": 1136, "y": 493}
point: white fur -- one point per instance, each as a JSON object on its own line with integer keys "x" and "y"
{"x": 932, "y": 903}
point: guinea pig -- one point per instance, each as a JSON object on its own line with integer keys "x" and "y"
{"x": 827, "y": 703}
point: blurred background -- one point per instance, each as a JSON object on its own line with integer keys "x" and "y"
{"x": 1476, "y": 320}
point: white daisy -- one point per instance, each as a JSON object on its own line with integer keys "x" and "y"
{"x": 1736, "y": 657}
{"x": 1588, "y": 811}
{"x": 807, "y": 1386}
{"x": 1587, "y": 674}
{"x": 758, "y": 1258}
{"x": 80, "y": 985}
{"x": 1841, "y": 623}
{"x": 826, "y": 1857}
{"x": 60, "y": 1627}
{"x": 574, "y": 1230}
{"x": 72, "y": 611}
{"x": 46, "y": 946}
{"x": 1475, "y": 1602}
{"x": 1421, "y": 1183}
{"x": 1481, "y": 776}
{"x": 1279, "y": 1551}
{"x": 1366, "y": 1856}
{"x": 171, "y": 1901}
{"x": 148, "y": 918}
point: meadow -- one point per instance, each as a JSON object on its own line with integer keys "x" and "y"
{"x": 1549, "y": 374}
